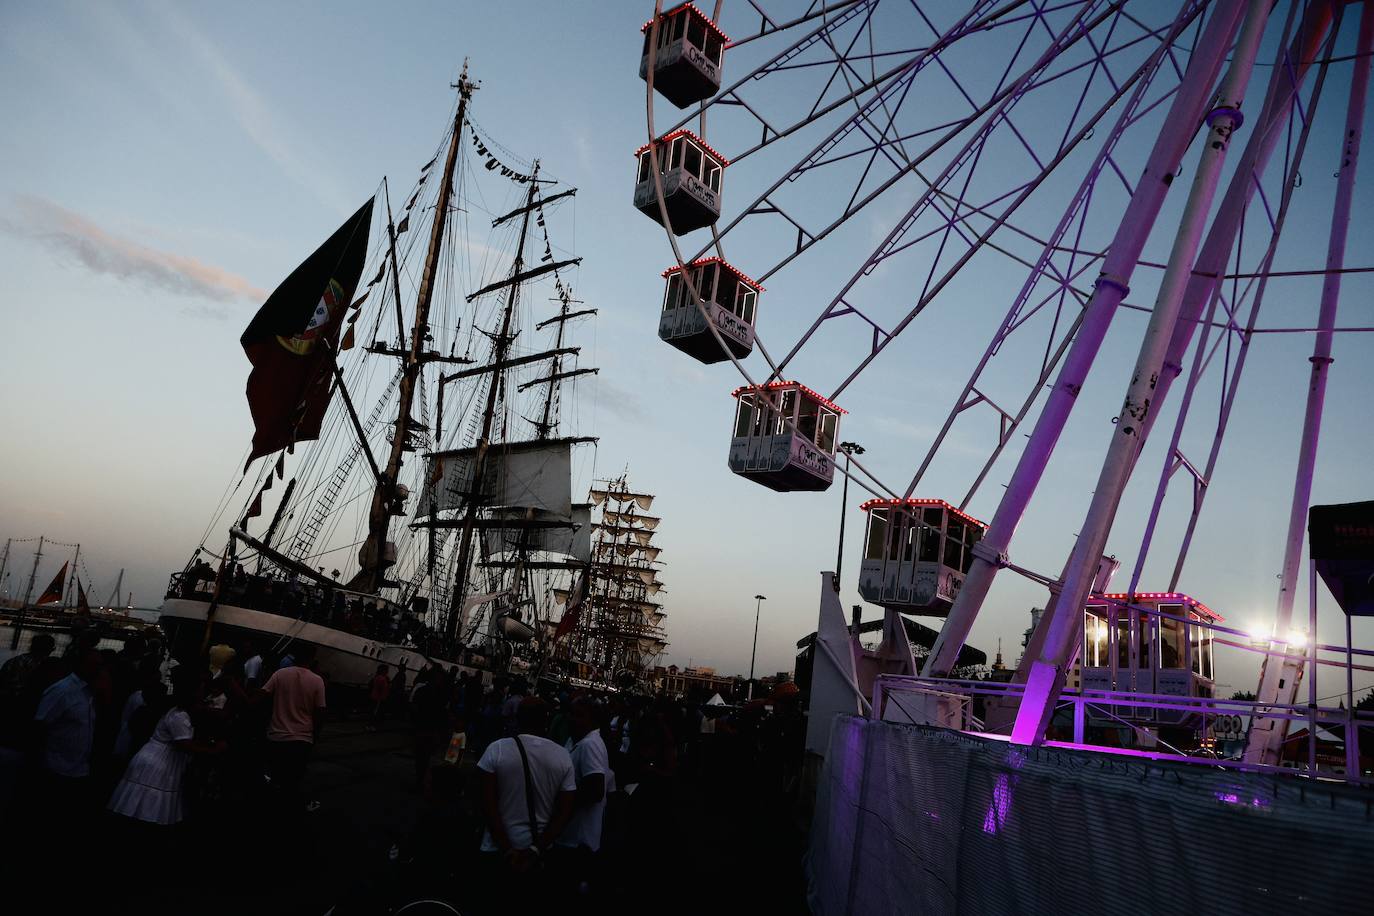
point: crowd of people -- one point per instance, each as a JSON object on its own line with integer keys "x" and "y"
{"x": 105, "y": 739}
{"x": 577, "y": 792}
{"x": 557, "y": 788}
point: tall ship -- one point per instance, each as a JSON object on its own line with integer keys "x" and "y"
{"x": 613, "y": 629}
{"x": 407, "y": 497}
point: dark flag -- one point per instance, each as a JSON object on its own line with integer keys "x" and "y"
{"x": 254, "y": 510}
{"x": 83, "y": 607}
{"x": 54, "y": 590}
{"x": 291, "y": 340}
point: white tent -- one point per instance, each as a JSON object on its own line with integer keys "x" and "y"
{"x": 715, "y": 701}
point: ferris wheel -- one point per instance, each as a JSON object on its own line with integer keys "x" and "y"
{"x": 1055, "y": 157}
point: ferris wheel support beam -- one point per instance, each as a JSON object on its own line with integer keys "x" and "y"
{"x": 1174, "y": 459}
{"x": 1280, "y": 675}
{"x": 1017, "y": 314}
{"x": 1187, "y": 109}
{"x": 996, "y": 110}
{"x": 1289, "y": 73}
{"x": 1046, "y": 675}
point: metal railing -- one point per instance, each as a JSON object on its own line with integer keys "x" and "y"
{"x": 1090, "y": 708}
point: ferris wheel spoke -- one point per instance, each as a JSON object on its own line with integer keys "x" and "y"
{"x": 777, "y": 63}
{"x": 769, "y": 27}
{"x": 1018, "y": 314}
{"x": 998, "y": 102}
{"x": 926, "y": 198}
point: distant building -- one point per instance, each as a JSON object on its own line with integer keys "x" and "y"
{"x": 1000, "y": 672}
{"x": 1075, "y": 676}
{"x": 691, "y": 681}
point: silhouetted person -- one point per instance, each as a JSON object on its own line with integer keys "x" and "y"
{"x": 297, "y": 716}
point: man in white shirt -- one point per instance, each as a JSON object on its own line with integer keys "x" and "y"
{"x": 513, "y": 796}
{"x": 595, "y": 781}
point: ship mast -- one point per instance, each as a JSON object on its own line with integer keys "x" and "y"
{"x": 500, "y": 350}
{"x": 371, "y": 577}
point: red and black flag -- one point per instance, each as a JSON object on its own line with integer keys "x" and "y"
{"x": 574, "y": 609}
{"x": 54, "y": 590}
{"x": 83, "y": 607}
{"x": 289, "y": 387}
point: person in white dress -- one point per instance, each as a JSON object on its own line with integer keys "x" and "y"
{"x": 152, "y": 787}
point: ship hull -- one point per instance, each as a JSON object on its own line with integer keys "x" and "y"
{"x": 347, "y": 659}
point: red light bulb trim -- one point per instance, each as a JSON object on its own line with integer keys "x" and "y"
{"x": 702, "y": 262}
{"x": 684, "y": 132}
{"x": 690, "y": 9}
{"x": 927, "y": 503}
{"x": 773, "y": 386}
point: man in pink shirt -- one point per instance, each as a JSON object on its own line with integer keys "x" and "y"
{"x": 297, "y": 715}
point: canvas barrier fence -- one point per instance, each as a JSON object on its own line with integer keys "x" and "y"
{"x": 918, "y": 820}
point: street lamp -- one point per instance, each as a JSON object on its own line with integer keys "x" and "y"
{"x": 758, "y": 606}
{"x": 850, "y": 449}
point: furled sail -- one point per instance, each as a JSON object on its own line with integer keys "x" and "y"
{"x": 535, "y": 475}
{"x": 638, "y": 534}
{"x": 629, "y": 519}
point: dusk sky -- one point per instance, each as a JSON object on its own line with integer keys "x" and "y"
{"x": 167, "y": 164}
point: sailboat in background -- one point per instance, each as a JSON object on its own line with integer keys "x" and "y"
{"x": 62, "y": 609}
{"x": 614, "y": 627}
{"x": 453, "y": 557}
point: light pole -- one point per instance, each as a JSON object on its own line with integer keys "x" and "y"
{"x": 758, "y": 606}
{"x": 850, "y": 449}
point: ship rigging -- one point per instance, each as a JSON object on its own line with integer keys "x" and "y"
{"x": 446, "y": 450}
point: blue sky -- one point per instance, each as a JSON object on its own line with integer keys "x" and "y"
{"x": 167, "y": 163}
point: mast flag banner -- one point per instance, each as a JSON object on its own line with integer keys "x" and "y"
{"x": 54, "y": 590}
{"x": 1341, "y": 539}
{"x": 289, "y": 386}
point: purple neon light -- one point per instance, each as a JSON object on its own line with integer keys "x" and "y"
{"x": 1001, "y": 802}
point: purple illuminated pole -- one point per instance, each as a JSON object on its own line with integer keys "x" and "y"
{"x": 1046, "y": 675}
{"x": 1185, "y": 112}
{"x": 1281, "y": 674}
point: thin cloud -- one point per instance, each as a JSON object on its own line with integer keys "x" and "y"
{"x": 620, "y": 402}
{"x": 73, "y": 236}
{"x": 254, "y": 115}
